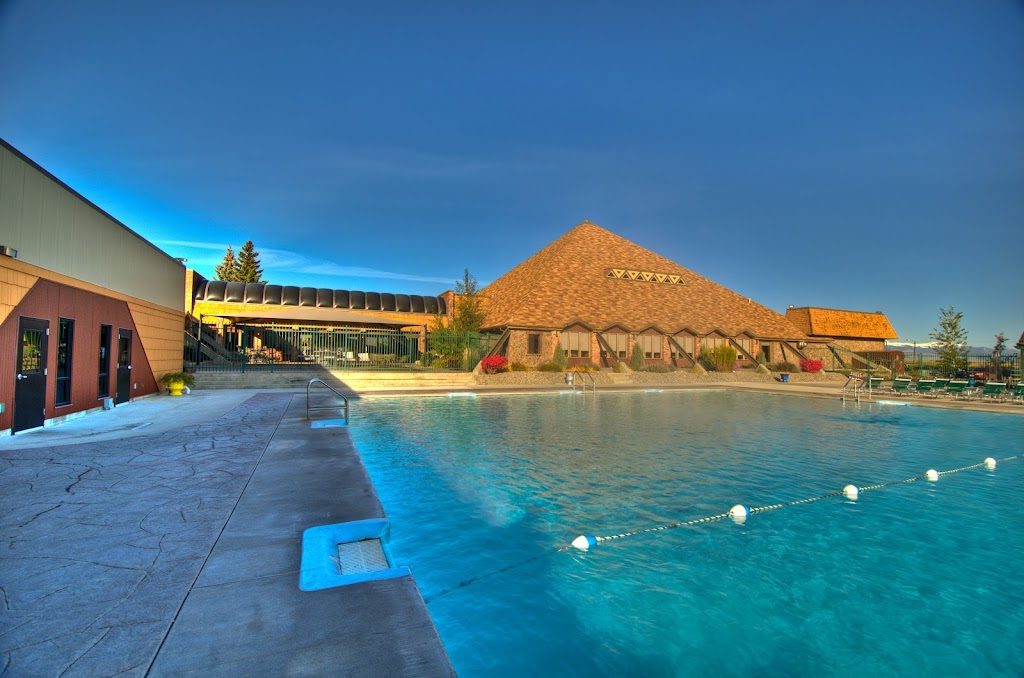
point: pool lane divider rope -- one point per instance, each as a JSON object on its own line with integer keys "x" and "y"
{"x": 740, "y": 512}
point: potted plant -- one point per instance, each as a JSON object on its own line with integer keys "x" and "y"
{"x": 177, "y": 381}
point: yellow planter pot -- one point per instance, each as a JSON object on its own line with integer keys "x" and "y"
{"x": 174, "y": 388}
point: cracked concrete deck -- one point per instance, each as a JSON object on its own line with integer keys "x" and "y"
{"x": 173, "y": 548}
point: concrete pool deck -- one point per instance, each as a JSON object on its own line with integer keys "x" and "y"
{"x": 174, "y": 548}
{"x": 164, "y": 537}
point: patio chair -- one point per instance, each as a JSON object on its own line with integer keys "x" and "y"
{"x": 925, "y": 387}
{"x": 957, "y": 388}
{"x": 901, "y": 385}
{"x": 994, "y": 390}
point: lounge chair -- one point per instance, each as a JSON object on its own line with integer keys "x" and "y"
{"x": 994, "y": 390}
{"x": 876, "y": 384}
{"x": 901, "y": 385}
{"x": 925, "y": 387}
{"x": 941, "y": 384}
{"x": 957, "y": 388}
{"x": 1018, "y": 393}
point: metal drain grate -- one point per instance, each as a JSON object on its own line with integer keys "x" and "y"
{"x": 360, "y": 557}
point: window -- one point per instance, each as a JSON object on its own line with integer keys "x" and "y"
{"x": 711, "y": 341}
{"x": 104, "y": 382}
{"x": 576, "y": 344}
{"x": 651, "y": 345}
{"x": 31, "y": 352}
{"x": 744, "y": 342}
{"x": 686, "y": 341}
{"x": 533, "y": 344}
{"x": 65, "y": 341}
{"x": 618, "y": 342}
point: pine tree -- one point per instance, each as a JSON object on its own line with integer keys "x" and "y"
{"x": 469, "y": 312}
{"x": 249, "y": 270}
{"x": 997, "y": 356}
{"x": 951, "y": 340}
{"x": 228, "y": 268}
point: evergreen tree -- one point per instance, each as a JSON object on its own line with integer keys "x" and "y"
{"x": 228, "y": 268}
{"x": 997, "y": 356}
{"x": 249, "y": 270}
{"x": 469, "y": 312}
{"x": 951, "y": 342}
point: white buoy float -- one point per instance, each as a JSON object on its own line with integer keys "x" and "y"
{"x": 851, "y": 492}
{"x": 584, "y": 542}
{"x": 990, "y": 463}
{"x": 931, "y": 474}
{"x": 738, "y": 513}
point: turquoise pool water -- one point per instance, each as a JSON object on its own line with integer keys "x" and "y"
{"x": 917, "y": 579}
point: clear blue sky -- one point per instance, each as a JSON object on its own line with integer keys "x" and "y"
{"x": 859, "y": 155}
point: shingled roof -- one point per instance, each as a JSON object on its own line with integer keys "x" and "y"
{"x": 830, "y": 322}
{"x": 593, "y": 276}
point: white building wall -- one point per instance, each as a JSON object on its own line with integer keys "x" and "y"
{"x": 55, "y": 228}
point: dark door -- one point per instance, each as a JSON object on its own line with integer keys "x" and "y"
{"x": 124, "y": 365}
{"x": 30, "y": 387}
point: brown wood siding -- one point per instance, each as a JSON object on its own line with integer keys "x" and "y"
{"x": 52, "y": 301}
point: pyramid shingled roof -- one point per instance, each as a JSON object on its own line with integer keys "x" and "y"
{"x": 569, "y": 281}
{"x": 830, "y": 322}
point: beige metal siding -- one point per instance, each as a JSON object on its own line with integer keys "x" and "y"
{"x": 54, "y": 228}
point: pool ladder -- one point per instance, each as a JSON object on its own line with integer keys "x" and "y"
{"x": 579, "y": 380}
{"x": 855, "y": 382}
{"x": 343, "y": 406}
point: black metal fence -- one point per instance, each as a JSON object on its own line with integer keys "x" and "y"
{"x": 236, "y": 347}
{"x": 1003, "y": 367}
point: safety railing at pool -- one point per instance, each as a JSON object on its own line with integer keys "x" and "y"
{"x": 310, "y": 408}
{"x": 580, "y": 379}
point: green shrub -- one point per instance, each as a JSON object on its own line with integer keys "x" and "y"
{"x": 549, "y": 367}
{"x": 618, "y": 368}
{"x": 636, "y": 358}
{"x": 658, "y": 368}
{"x": 783, "y": 367}
{"x": 518, "y": 367}
{"x": 560, "y": 358}
{"x": 185, "y": 378}
{"x": 720, "y": 358}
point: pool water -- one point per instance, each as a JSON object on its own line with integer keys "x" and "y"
{"x": 915, "y": 579}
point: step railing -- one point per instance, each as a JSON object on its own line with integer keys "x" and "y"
{"x": 580, "y": 380}
{"x": 343, "y": 406}
{"x": 855, "y": 383}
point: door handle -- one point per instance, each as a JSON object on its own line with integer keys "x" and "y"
{"x": 21, "y": 376}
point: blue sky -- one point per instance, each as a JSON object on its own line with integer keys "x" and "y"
{"x": 859, "y": 155}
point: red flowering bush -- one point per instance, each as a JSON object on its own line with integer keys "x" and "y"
{"x": 811, "y": 365}
{"x": 494, "y": 364}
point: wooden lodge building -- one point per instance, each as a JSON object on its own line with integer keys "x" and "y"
{"x": 853, "y": 330}
{"x": 597, "y": 295}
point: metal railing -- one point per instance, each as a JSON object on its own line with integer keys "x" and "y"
{"x": 579, "y": 380}
{"x": 344, "y": 401}
{"x": 274, "y": 347}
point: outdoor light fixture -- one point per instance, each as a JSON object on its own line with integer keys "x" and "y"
{"x": 8, "y": 251}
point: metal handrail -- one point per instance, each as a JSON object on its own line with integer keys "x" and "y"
{"x": 343, "y": 407}
{"x": 570, "y": 379}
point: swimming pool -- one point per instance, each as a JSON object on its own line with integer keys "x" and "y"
{"x": 916, "y": 579}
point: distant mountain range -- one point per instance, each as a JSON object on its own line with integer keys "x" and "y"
{"x": 929, "y": 348}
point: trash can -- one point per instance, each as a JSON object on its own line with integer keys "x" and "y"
{"x": 785, "y": 377}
